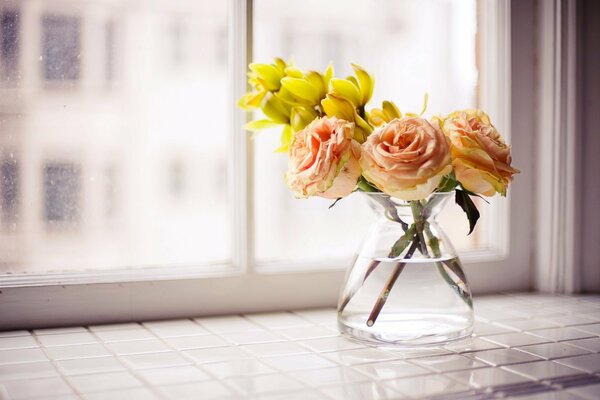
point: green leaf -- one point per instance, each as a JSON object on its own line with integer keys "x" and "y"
{"x": 402, "y": 243}
{"x": 260, "y": 124}
{"x": 464, "y": 201}
{"x": 448, "y": 183}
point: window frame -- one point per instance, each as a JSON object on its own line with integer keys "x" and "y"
{"x": 31, "y": 300}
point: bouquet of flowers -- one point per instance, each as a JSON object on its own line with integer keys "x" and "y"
{"x": 336, "y": 146}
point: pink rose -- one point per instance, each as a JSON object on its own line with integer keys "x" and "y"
{"x": 323, "y": 159}
{"x": 480, "y": 157}
{"x": 406, "y": 158}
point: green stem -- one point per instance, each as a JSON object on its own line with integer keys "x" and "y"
{"x": 417, "y": 208}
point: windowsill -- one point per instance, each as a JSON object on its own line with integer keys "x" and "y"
{"x": 524, "y": 343}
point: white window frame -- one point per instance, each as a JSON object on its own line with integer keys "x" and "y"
{"x": 145, "y": 294}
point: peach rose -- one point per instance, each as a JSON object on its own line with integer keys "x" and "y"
{"x": 406, "y": 158}
{"x": 480, "y": 157}
{"x": 323, "y": 159}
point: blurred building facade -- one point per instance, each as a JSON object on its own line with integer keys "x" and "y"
{"x": 112, "y": 133}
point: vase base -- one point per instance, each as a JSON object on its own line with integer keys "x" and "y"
{"x": 435, "y": 331}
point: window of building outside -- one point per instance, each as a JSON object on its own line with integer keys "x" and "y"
{"x": 154, "y": 151}
{"x": 9, "y": 43}
{"x": 61, "y": 41}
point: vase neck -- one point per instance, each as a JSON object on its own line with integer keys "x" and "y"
{"x": 397, "y": 210}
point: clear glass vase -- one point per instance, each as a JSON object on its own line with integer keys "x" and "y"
{"x": 407, "y": 286}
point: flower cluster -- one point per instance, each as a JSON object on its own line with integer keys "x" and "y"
{"x": 336, "y": 146}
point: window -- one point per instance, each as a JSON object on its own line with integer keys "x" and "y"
{"x": 9, "y": 43}
{"x": 62, "y": 194}
{"x": 9, "y": 188}
{"x": 408, "y": 59}
{"x": 61, "y": 43}
{"x": 177, "y": 210}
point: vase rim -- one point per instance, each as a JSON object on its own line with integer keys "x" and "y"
{"x": 396, "y": 199}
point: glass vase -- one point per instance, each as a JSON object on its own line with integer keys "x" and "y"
{"x": 407, "y": 286}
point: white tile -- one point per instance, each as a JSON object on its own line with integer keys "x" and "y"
{"x": 515, "y": 339}
{"x": 229, "y": 324}
{"x": 593, "y": 328}
{"x": 391, "y": 370}
{"x": 154, "y": 360}
{"x": 529, "y": 324}
{"x": 172, "y": 375}
{"x": 561, "y": 334}
{"x": 498, "y": 357}
{"x": 27, "y": 371}
{"x": 124, "y": 335}
{"x": 278, "y": 320}
{"x": 114, "y": 327}
{"x": 329, "y": 376}
{"x": 166, "y": 329}
{"x": 551, "y": 351}
{"x": 296, "y": 395}
{"x": 472, "y": 344}
{"x": 427, "y": 386}
{"x": 275, "y": 349}
{"x": 298, "y": 362}
{"x": 319, "y": 316}
{"x": 137, "y": 347}
{"x": 217, "y": 354}
{"x": 409, "y": 353}
{"x": 331, "y": 344}
{"x": 14, "y": 333}
{"x": 124, "y": 394}
{"x": 589, "y": 363}
{"x": 63, "y": 339}
{"x": 76, "y": 351}
{"x": 589, "y": 392}
{"x": 358, "y": 356}
{"x": 104, "y": 382}
{"x": 17, "y": 342}
{"x": 17, "y": 356}
{"x": 447, "y": 363}
{"x": 362, "y": 391}
{"x": 541, "y": 370}
{"x": 195, "y": 391}
{"x": 47, "y": 388}
{"x": 53, "y": 331}
{"x": 306, "y": 332}
{"x": 227, "y": 369}
{"x": 592, "y": 344}
{"x": 487, "y": 377}
{"x": 196, "y": 342}
{"x": 553, "y": 395}
{"x": 251, "y": 337}
{"x": 260, "y": 384}
{"x": 568, "y": 320}
{"x": 89, "y": 365}
{"x": 485, "y": 328}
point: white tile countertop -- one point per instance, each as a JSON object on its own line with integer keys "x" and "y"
{"x": 526, "y": 346}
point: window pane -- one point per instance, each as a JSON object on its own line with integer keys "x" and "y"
{"x": 412, "y": 48}
{"x": 113, "y": 149}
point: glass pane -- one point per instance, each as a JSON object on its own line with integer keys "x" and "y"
{"x": 112, "y": 139}
{"x": 411, "y": 47}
